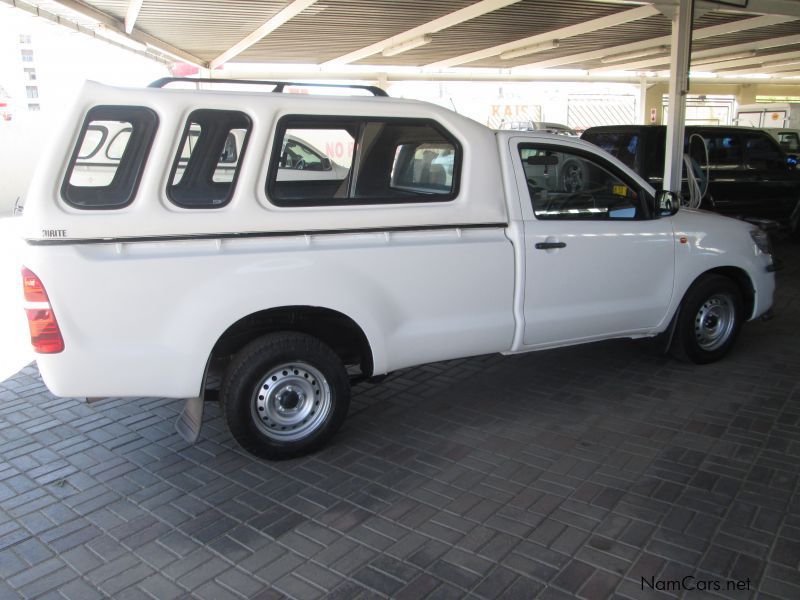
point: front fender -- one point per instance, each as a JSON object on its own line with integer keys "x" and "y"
{"x": 707, "y": 242}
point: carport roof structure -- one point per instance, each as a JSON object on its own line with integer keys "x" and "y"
{"x": 732, "y": 37}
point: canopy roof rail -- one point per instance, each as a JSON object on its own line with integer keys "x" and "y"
{"x": 279, "y": 85}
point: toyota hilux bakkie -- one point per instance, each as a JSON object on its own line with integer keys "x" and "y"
{"x": 305, "y": 241}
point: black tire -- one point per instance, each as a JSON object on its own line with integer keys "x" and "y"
{"x": 285, "y": 395}
{"x": 709, "y": 320}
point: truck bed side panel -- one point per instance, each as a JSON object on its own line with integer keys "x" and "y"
{"x": 135, "y": 325}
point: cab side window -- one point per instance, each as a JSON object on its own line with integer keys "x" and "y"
{"x": 724, "y": 151}
{"x": 789, "y": 141}
{"x": 762, "y": 153}
{"x": 568, "y": 186}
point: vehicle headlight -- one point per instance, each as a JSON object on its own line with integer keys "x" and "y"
{"x": 761, "y": 240}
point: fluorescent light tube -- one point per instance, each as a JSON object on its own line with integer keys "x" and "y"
{"x": 409, "y": 45}
{"x": 529, "y": 50}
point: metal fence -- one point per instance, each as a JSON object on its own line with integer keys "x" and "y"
{"x": 589, "y": 110}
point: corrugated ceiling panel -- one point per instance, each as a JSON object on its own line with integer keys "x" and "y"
{"x": 724, "y": 41}
{"x": 205, "y": 28}
{"x": 344, "y": 26}
{"x": 635, "y": 31}
{"x": 514, "y": 22}
{"x": 114, "y": 8}
{"x": 331, "y": 28}
{"x": 752, "y": 35}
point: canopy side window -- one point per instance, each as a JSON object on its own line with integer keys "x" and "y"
{"x": 328, "y": 161}
{"x": 209, "y": 158}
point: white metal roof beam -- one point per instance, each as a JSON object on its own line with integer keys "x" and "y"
{"x": 787, "y": 65}
{"x": 286, "y": 14}
{"x": 250, "y": 71}
{"x": 649, "y": 63}
{"x": 753, "y": 60}
{"x": 454, "y": 18}
{"x": 786, "y": 8}
{"x": 136, "y": 35}
{"x": 699, "y": 34}
{"x": 134, "y": 6}
{"x": 619, "y": 18}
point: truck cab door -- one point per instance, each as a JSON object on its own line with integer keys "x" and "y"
{"x": 597, "y": 264}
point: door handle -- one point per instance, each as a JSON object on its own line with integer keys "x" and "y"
{"x": 549, "y": 245}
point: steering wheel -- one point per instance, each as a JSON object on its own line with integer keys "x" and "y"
{"x": 300, "y": 164}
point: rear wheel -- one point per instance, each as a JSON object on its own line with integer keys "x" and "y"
{"x": 285, "y": 395}
{"x": 709, "y": 320}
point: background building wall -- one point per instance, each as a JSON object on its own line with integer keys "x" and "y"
{"x": 61, "y": 60}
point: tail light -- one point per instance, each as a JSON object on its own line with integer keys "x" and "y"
{"x": 45, "y": 334}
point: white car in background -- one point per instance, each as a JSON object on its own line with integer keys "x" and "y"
{"x": 302, "y": 161}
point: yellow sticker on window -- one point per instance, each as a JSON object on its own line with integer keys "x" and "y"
{"x": 620, "y": 190}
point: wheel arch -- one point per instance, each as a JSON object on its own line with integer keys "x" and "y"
{"x": 742, "y": 280}
{"x": 336, "y": 329}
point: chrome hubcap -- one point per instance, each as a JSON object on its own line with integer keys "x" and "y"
{"x": 291, "y": 401}
{"x": 713, "y": 323}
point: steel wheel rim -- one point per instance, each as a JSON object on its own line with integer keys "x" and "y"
{"x": 714, "y": 322}
{"x": 291, "y": 401}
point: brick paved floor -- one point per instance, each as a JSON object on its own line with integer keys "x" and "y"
{"x": 571, "y": 472}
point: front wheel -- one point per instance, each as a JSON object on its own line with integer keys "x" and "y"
{"x": 285, "y": 395}
{"x": 710, "y": 317}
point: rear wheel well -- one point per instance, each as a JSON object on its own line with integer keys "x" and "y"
{"x": 743, "y": 282}
{"x": 334, "y": 329}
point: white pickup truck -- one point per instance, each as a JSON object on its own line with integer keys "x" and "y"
{"x": 419, "y": 236}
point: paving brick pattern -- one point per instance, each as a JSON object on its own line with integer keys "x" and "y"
{"x": 575, "y": 472}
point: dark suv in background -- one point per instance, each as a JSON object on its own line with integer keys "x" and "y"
{"x": 749, "y": 174}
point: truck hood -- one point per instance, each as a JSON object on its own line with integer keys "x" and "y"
{"x": 702, "y": 221}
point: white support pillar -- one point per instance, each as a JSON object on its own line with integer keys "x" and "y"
{"x": 678, "y": 89}
{"x": 642, "y": 109}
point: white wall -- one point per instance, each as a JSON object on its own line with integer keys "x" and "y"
{"x": 63, "y": 60}
{"x": 489, "y": 103}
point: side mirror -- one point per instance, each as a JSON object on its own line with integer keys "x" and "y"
{"x": 667, "y": 203}
{"x": 326, "y": 163}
